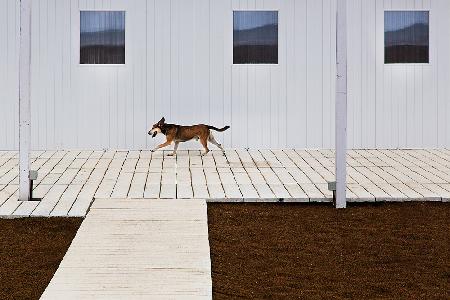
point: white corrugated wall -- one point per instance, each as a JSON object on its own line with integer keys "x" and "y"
{"x": 179, "y": 65}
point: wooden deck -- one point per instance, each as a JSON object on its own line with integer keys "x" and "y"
{"x": 69, "y": 180}
{"x": 137, "y": 249}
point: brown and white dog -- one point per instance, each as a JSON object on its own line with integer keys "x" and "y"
{"x": 177, "y": 134}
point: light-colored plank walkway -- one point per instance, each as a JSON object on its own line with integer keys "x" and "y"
{"x": 69, "y": 181}
{"x": 137, "y": 249}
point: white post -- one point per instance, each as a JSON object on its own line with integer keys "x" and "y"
{"x": 24, "y": 99}
{"x": 341, "y": 103}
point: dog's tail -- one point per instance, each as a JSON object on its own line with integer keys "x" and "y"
{"x": 218, "y": 129}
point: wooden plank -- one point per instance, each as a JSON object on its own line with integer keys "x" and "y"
{"x": 264, "y": 190}
{"x": 11, "y": 203}
{"x": 84, "y": 200}
{"x": 168, "y": 191}
{"x": 394, "y": 194}
{"x": 361, "y": 193}
{"x": 313, "y": 192}
{"x": 123, "y": 185}
{"x": 49, "y": 201}
{"x": 296, "y": 193}
{"x": 155, "y": 249}
{"x": 216, "y": 190}
{"x": 184, "y": 191}
{"x": 66, "y": 201}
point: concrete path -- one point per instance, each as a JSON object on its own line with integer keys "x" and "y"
{"x": 69, "y": 180}
{"x": 137, "y": 249}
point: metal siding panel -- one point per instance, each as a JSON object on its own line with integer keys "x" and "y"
{"x": 59, "y": 111}
{"x": 202, "y": 61}
{"x": 227, "y": 76}
{"x": 328, "y": 128}
{"x": 175, "y": 65}
{"x": 52, "y": 62}
{"x": 3, "y": 74}
{"x": 443, "y": 12}
{"x": 355, "y": 73}
{"x": 217, "y": 43}
{"x": 314, "y": 78}
{"x": 182, "y": 68}
{"x": 43, "y": 67}
{"x": 379, "y": 70}
{"x": 139, "y": 64}
{"x": 292, "y": 110}
{"x": 333, "y": 73}
{"x": 150, "y": 70}
{"x": 12, "y": 76}
{"x": 299, "y": 106}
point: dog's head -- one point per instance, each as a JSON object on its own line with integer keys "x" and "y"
{"x": 157, "y": 128}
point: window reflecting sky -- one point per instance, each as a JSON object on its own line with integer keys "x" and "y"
{"x": 93, "y": 21}
{"x": 252, "y": 19}
{"x": 395, "y": 20}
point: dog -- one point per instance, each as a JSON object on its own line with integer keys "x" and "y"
{"x": 178, "y": 133}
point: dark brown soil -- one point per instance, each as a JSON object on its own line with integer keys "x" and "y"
{"x": 283, "y": 251}
{"x": 30, "y": 252}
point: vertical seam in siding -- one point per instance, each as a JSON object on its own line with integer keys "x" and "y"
{"x": 154, "y": 59}
{"x": 231, "y": 84}
{"x": 375, "y": 70}
{"x": 54, "y": 83}
{"x": 306, "y": 67}
{"x": 46, "y": 89}
{"x": 170, "y": 58}
{"x": 436, "y": 66}
{"x": 322, "y": 57}
{"x": 363, "y": 75}
{"x": 286, "y": 75}
{"x": 7, "y": 68}
{"x": 146, "y": 70}
{"x": 209, "y": 65}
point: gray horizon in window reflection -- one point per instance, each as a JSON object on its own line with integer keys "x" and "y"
{"x": 102, "y": 37}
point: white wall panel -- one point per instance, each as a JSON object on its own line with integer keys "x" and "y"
{"x": 9, "y": 72}
{"x": 179, "y": 65}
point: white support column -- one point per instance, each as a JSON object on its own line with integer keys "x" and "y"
{"x": 341, "y": 103}
{"x": 24, "y": 100}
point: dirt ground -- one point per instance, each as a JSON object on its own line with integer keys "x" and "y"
{"x": 30, "y": 252}
{"x": 295, "y": 251}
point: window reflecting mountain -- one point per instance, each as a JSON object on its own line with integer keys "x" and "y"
{"x": 102, "y": 37}
{"x": 255, "y": 37}
{"x": 406, "y": 36}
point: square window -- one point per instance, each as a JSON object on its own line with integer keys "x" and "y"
{"x": 102, "y": 37}
{"x": 255, "y": 37}
{"x": 406, "y": 37}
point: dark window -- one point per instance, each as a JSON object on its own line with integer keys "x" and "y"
{"x": 406, "y": 37}
{"x": 102, "y": 37}
{"x": 255, "y": 37}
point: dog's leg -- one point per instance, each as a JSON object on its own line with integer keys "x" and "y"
{"x": 167, "y": 143}
{"x": 175, "y": 147}
{"x": 204, "y": 142}
{"x": 213, "y": 141}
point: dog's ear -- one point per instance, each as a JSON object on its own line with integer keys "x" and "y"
{"x": 162, "y": 120}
